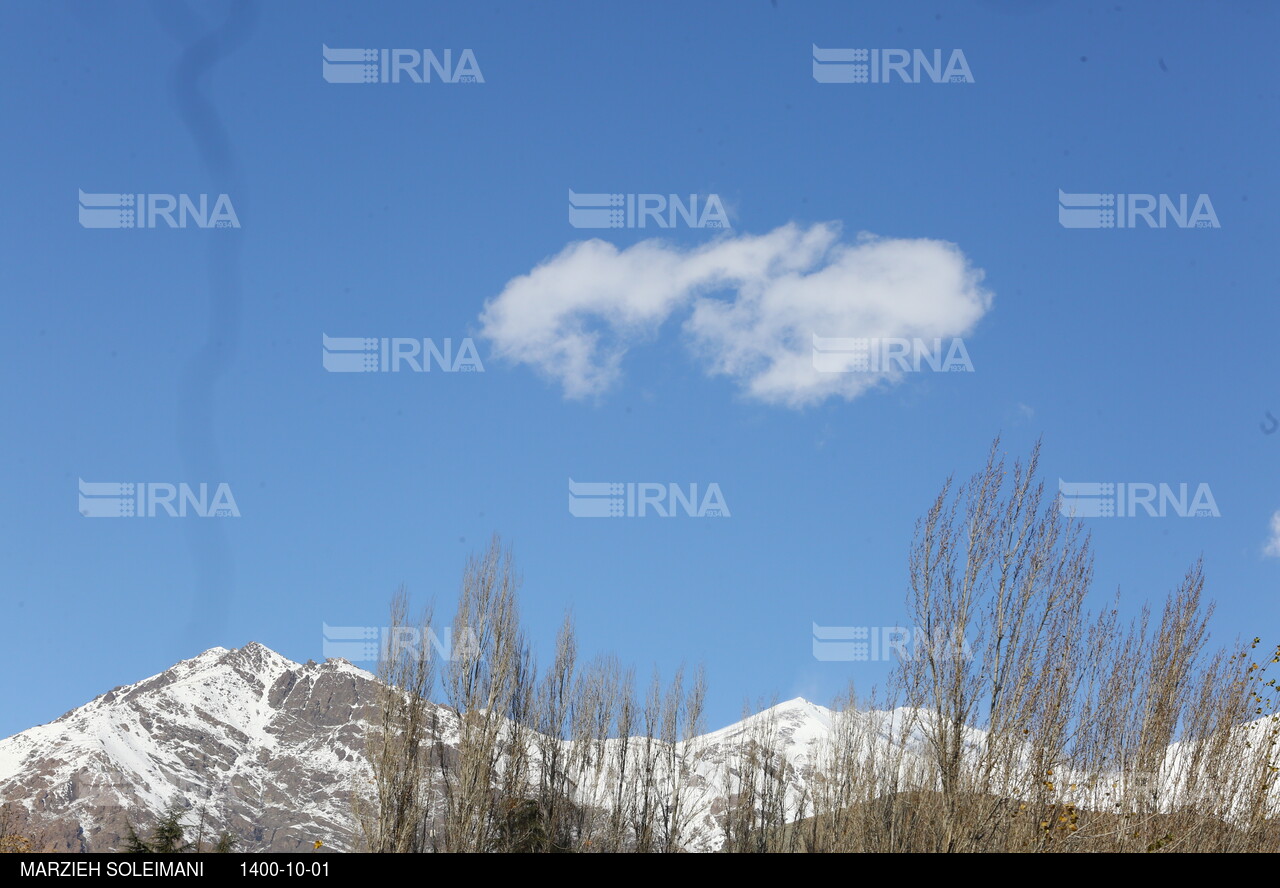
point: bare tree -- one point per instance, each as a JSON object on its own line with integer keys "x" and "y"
{"x": 485, "y": 683}
{"x": 396, "y": 819}
{"x": 1019, "y": 722}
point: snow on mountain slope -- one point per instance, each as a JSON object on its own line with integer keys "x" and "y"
{"x": 243, "y": 731}
{"x": 274, "y": 751}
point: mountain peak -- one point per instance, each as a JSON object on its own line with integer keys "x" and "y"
{"x": 257, "y": 657}
{"x": 236, "y": 731}
{"x": 794, "y": 703}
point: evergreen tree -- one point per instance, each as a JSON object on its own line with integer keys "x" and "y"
{"x": 167, "y": 838}
{"x": 135, "y": 844}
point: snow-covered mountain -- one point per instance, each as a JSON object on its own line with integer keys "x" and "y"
{"x": 273, "y": 749}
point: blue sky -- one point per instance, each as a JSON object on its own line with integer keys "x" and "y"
{"x": 416, "y": 209}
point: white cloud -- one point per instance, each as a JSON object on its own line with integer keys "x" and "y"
{"x": 1273, "y": 545}
{"x": 752, "y": 304}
